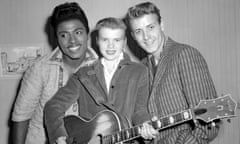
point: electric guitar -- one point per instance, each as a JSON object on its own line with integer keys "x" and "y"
{"x": 107, "y": 125}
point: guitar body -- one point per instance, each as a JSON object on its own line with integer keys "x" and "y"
{"x": 81, "y": 131}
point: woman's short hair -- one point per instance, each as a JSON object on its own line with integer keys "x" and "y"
{"x": 110, "y": 22}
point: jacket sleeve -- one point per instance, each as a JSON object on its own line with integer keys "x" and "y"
{"x": 29, "y": 94}
{"x": 141, "y": 111}
{"x": 197, "y": 85}
{"x": 56, "y": 107}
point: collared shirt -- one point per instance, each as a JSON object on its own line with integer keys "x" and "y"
{"x": 40, "y": 82}
{"x": 109, "y": 74}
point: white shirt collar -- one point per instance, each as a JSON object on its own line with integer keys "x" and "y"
{"x": 108, "y": 75}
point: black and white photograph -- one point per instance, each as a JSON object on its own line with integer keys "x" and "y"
{"x": 120, "y": 72}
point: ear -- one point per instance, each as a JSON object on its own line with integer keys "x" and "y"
{"x": 162, "y": 26}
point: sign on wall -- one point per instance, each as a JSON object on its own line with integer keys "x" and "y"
{"x": 15, "y": 59}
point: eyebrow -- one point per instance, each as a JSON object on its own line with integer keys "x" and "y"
{"x": 80, "y": 28}
{"x": 76, "y": 29}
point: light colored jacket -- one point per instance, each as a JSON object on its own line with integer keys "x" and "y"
{"x": 40, "y": 82}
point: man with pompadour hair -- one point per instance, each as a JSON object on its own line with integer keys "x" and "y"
{"x": 178, "y": 74}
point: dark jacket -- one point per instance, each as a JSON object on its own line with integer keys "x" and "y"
{"x": 128, "y": 96}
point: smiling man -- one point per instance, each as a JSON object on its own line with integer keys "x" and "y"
{"x": 45, "y": 77}
{"x": 179, "y": 76}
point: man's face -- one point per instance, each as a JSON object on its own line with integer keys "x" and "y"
{"x": 111, "y": 42}
{"x": 147, "y": 31}
{"x": 72, "y": 38}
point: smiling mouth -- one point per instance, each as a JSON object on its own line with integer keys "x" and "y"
{"x": 149, "y": 43}
{"x": 111, "y": 52}
{"x": 75, "y": 48}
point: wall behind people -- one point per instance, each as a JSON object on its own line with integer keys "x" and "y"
{"x": 210, "y": 26}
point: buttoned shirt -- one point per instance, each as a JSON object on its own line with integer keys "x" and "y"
{"x": 108, "y": 75}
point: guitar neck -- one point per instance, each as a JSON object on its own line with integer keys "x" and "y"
{"x": 162, "y": 123}
{"x": 173, "y": 119}
{"x": 206, "y": 111}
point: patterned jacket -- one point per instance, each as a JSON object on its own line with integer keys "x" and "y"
{"x": 182, "y": 79}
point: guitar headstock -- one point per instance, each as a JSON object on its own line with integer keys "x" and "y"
{"x": 219, "y": 108}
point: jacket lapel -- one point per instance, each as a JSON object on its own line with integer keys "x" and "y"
{"x": 100, "y": 77}
{"x": 98, "y": 92}
{"x": 161, "y": 68}
{"x": 164, "y": 61}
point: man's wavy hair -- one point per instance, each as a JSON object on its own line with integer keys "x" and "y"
{"x": 68, "y": 11}
{"x": 142, "y": 9}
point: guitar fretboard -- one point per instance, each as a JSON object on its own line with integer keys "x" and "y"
{"x": 131, "y": 133}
